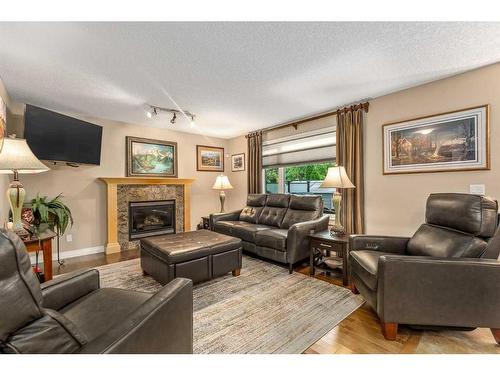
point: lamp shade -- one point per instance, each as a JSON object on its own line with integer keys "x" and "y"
{"x": 222, "y": 183}
{"x": 17, "y": 156}
{"x": 336, "y": 177}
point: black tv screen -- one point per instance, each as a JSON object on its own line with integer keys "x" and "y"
{"x": 55, "y": 137}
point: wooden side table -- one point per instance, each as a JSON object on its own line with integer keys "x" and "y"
{"x": 329, "y": 252}
{"x": 44, "y": 244}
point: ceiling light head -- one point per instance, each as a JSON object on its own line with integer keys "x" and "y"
{"x": 151, "y": 112}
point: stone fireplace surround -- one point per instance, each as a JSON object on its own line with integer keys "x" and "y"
{"x": 122, "y": 190}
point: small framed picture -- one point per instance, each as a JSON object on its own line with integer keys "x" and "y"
{"x": 209, "y": 159}
{"x": 151, "y": 157}
{"x": 237, "y": 162}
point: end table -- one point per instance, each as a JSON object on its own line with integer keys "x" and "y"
{"x": 329, "y": 252}
{"x": 42, "y": 243}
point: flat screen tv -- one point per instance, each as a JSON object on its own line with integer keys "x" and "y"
{"x": 55, "y": 137}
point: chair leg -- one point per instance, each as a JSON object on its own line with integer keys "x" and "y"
{"x": 236, "y": 272}
{"x": 354, "y": 289}
{"x": 496, "y": 334}
{"x": 390, "y": 330}
{"x": 290, "y": 268}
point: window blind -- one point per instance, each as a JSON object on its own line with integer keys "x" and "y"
{"x": 304, "y": 148}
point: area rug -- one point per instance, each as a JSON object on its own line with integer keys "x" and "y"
{"x": 264, "y": 310}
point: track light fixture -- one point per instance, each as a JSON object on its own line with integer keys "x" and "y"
{"x": 154, "y": 110}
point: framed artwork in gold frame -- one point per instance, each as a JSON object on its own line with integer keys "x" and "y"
{"x": 209, "y": 159}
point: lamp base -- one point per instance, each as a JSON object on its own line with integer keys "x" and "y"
{"x": 222, "y": 197}
{"x": 15, "y": 195}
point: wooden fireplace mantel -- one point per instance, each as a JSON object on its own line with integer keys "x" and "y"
{"x": 112, "y": 183}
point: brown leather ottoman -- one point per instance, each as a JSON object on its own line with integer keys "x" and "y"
{"x": 199, "y": 255}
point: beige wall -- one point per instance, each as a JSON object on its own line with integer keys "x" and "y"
{"x": 85, "y": 194}
{"x": 395, "y": 204}
{"x": 237, "y": 197}
{"x": 4, "y": 179}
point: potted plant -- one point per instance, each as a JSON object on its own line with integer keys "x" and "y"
{"x": 53, "y": 214}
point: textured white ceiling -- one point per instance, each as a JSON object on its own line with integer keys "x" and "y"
{"x": 235, "y": 77}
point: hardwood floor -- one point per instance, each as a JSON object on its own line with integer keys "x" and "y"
{"x": 359, "y": 333}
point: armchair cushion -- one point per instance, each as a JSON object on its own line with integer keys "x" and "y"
{"x": 474, "y": 214}
{"x": 434, "y": 241}
{"x": 51, "y": 334}
{"x": 364, "y": 263}
{"x": 101, "y": 309}
{"x": 272, "y": 238}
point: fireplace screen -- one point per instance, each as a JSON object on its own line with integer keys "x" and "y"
{"x": 151, "y": 218}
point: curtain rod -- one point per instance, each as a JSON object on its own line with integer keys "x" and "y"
{"x": 297, "y": 122}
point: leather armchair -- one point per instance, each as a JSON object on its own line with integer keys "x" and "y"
{"x": 446, "y": 275}
{"x": 72, "y": 314}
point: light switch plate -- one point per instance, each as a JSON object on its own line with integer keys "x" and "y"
{"x": 69, "y": 237}
{"x": 477, "y": 189}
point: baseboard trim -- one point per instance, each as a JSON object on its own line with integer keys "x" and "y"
{"x": 69, "y": 253}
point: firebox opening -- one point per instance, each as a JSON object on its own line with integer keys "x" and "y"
{"x": 151, "y": 218}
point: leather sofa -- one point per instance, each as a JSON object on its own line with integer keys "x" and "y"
{"x": 275, "y": 226}
{"x": 72, "y": 314}
{"x": 446, "y": 275}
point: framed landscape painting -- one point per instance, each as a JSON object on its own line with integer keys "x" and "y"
{"x": 237, "y": 162}
{"x": 151, "y": 158}
{"x": 452, "y": 141}
{"x": 209, "y": 159}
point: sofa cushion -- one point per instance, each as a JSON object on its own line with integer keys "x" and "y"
{"x": 434, "y": 241}
{"x": 364, "y": 263}
{"x": 275, "y": 209}
{"x": 272, "y": 238}
{"x": 253, "y": 209}
{"x": 247, "y": 231}
{"x": 474, "y": 214}
{"x": 224, "y": 227}
{"x": 302, "y": 208}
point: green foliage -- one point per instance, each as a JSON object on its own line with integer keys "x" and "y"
{"x": 271, "y": 175}
{"x": 54, "y": 212}
{"x": 311, "y": 172}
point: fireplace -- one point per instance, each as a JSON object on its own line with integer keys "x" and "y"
{"x": 151, "y": 218}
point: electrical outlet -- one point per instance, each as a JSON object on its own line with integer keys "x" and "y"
{"x": 477, "y": 189}
{"x": 69, "y": 237}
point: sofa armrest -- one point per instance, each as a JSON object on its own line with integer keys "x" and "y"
{"x": 298, "y": 237}
{"x": 161, "y": 325}
{"x": 229, "y": 216}
{"x": 387, "y": 244}
{"x": 69, "y": 287}
{"x": 460, "y": 292}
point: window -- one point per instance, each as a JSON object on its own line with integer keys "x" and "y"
{"x": 300, "y": 179}
{"x": 298, "y": 163}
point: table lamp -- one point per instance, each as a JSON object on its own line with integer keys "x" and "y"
{"x": 17, "y": 158}
{"x": 222, "y": 183}
{"x": 336, "y": 177}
